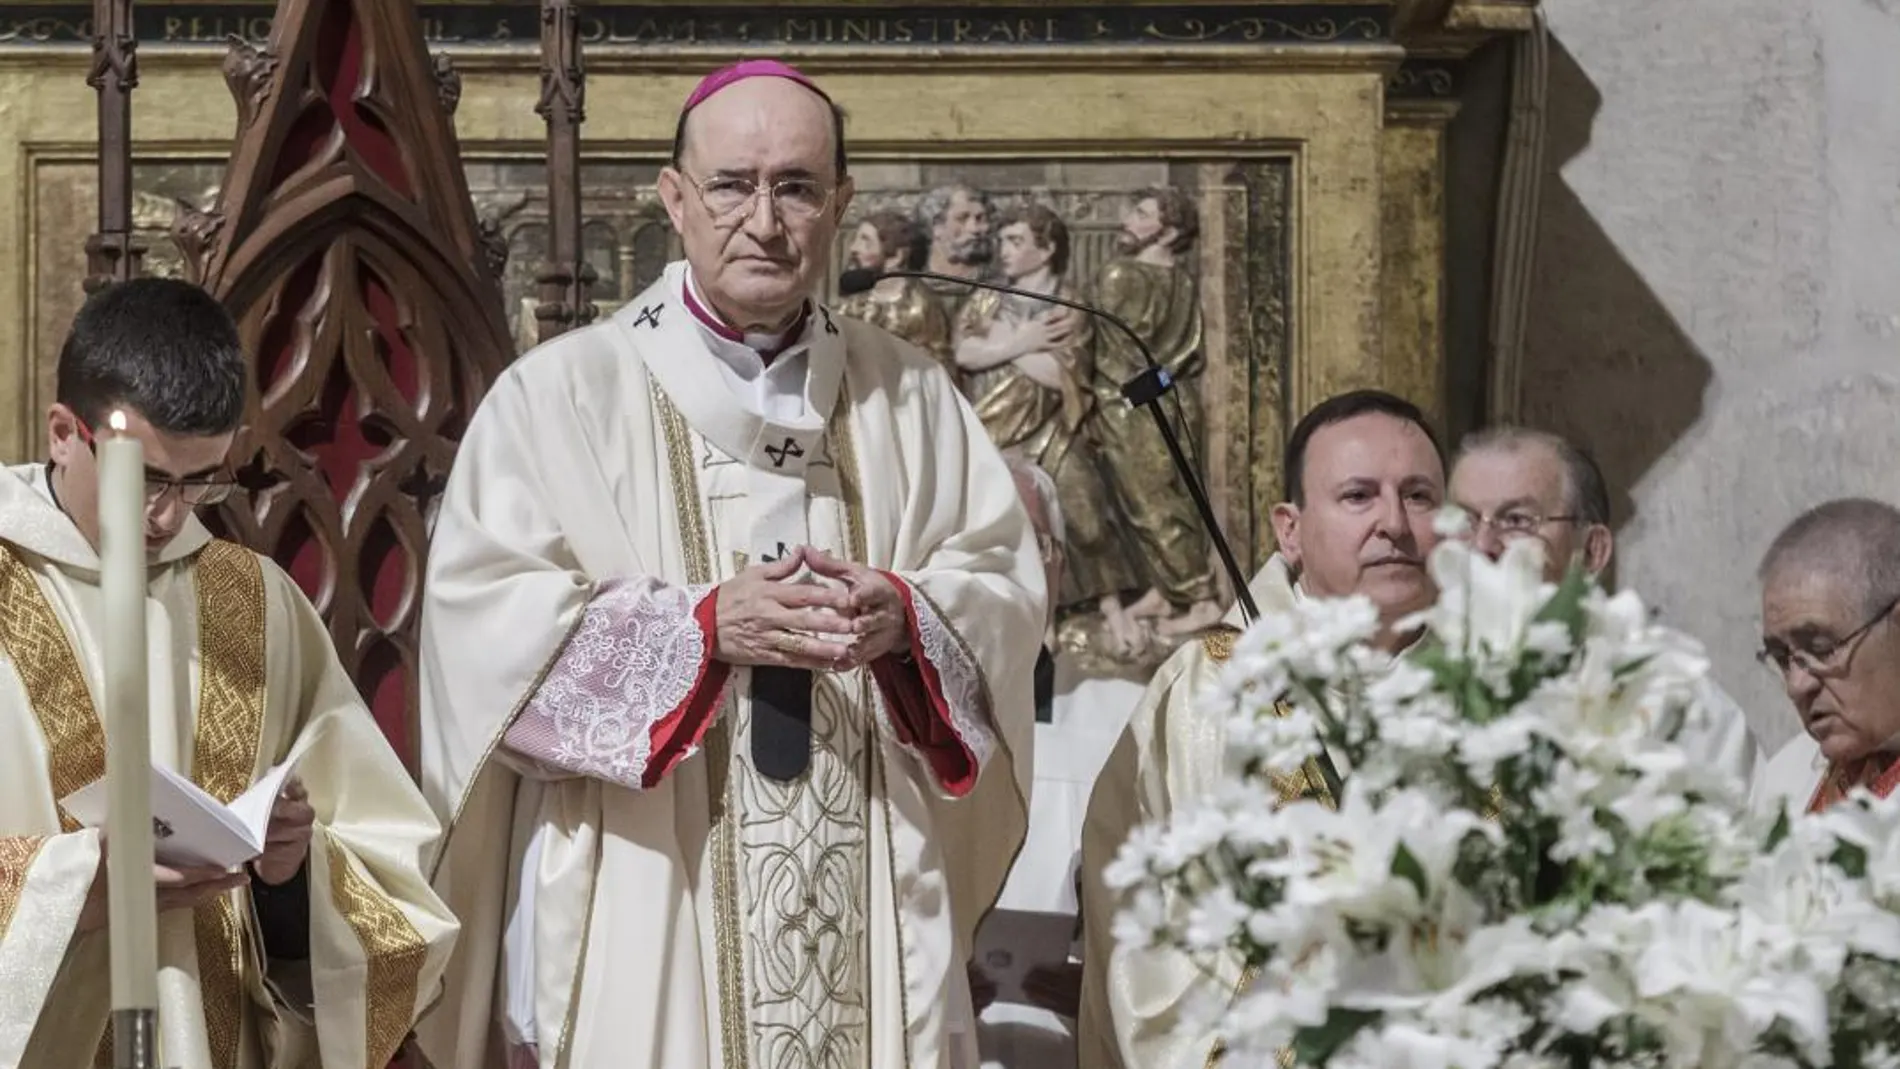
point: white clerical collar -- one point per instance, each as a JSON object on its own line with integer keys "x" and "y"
{"x": 30, "y": 517}
{"x": 767, "y": 347}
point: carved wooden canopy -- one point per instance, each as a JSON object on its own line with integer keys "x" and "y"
{"x": 344, "y": 242}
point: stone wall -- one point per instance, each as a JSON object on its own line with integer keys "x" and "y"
{"x": 1717, "y": 293}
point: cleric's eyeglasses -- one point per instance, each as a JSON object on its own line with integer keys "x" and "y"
{"x": 1820, "y": 657}
{"x": 1515, "y": 522}
{"x": 193, "y": 492}
{"x": 732, "y": 198}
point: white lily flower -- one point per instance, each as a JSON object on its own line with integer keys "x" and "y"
{"x": 1617, "y": 895}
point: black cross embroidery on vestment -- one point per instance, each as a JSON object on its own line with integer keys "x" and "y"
{"x": 649, "y": 316}
{"x": 830, "y": 327}
{"x": 778, "y": 453}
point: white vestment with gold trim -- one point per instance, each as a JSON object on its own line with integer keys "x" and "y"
{"x": 687, "y": 911}
{"x": 243, "y": 677}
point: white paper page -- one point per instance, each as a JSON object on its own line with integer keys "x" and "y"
{"x": 87, "y": 804}
{"x": 252, "y": 808}
{"x": 189, "y": 827}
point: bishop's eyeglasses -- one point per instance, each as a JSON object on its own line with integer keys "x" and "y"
{"x": 732, "y": 198}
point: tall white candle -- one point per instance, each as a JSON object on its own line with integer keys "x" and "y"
{"x": 132, "y": 904}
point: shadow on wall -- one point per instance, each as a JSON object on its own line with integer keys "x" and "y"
{"x": 1605, "y": 364}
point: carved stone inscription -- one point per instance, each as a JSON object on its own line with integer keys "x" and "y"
{"x": 627, "y": 23}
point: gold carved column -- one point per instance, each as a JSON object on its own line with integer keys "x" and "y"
{"x": 1413, "y": 286}
{"x": 1424, "y": 97}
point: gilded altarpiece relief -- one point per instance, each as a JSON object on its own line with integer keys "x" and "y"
{"x": 1234, "y": 266}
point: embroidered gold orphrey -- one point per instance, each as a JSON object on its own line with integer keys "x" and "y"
{"x": 16, "y": 858}
{"x": 55, "y": 684}
{"x": 226, "y": 736}
{"x": 233, "y": 673}
{"x": 790, "y": 860}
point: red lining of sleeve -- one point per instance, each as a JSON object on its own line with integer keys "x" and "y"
{"x": 679, "y": 732}
{"x": 919, "y": 713}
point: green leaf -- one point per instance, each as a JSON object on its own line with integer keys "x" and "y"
{"x": 1780, "y": 831}
{"x": 1406, "y": 867}
{"x": 1566, "y": 604}
{"x": 1852, "y": 860}
{"x": 1314, "y": 1046}
{"x": 1475, "y": 701}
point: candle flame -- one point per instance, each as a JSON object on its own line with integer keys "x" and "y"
{"x": 116, "y": 421}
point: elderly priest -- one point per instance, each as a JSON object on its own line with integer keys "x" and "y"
{"x": 729, "y": 634}
{"x": 1830, "y": 584}
{"x": 331, "y": 939}
{"x": 1517, "y": 483}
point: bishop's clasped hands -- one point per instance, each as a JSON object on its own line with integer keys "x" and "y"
{"x": 835, "y": 617}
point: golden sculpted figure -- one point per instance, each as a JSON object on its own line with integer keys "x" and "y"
{"x": 957, "y": 220}
{"x": 1025, "y": 366}
{"x": 887, "y": 241}
{"x": 1150, "y": 288}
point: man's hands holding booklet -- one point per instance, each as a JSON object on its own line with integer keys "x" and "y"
{"x": 287, "y": 843}
{"x": 286, "y": 846}
{"x": 178, "y": 888}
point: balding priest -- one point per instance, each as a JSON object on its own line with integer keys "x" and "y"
{"x": 1830, "y": 586}
{"x": 730, "y": 625}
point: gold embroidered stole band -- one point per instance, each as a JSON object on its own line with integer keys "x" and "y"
{"x": 226, "y": 734}
{"x": 734, "y": 1048}
{"x": 394, "y": 950}
{"x": 851, "y": 493}
{"x": 16, "y": 858}
{"x": 35, "y": 639}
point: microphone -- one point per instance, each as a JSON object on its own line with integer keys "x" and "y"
{"x": 1145, "y": 390}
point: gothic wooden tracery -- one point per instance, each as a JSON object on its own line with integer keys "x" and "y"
{"x": 112, "y": 255}
{"x": 345, "y": 243}
{"x": 564, "y": 280}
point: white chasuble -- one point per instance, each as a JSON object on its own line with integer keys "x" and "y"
{"x": 243, "y": 677}
{"x": 635, "y": 891}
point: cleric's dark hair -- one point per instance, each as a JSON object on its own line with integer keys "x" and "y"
{"x": 837, "y": 137}
{"x": 1339, "y": 409}
{"x": 161, "y": 347}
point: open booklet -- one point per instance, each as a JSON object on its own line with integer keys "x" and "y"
{"x": 189, "y": 827}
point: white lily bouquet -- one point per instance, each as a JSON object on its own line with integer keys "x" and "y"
{"x": 1525, "y": 870}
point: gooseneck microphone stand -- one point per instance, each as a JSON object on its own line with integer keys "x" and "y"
{"x": 1144, "y": 390}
